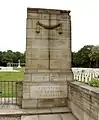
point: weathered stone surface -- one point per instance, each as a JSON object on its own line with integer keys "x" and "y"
{"x": 27, "y": 77}
{"x": 10, "y": 118}
{"x": 55, "y": 64}
{"x": 26, "y": 95}
{"x": 58, "y": 76}
{"x": 47, "y": 76}
{"x": 58, "y": 54}
{"x": 68, "y": 116}
{"x": 50, "y": 91}
{"x": 37, "y": 64}
{"x": 48, "y": 58}
{"x": 40, "y": 77}
{"x": 59, "y": 44}
{"x": 49, "y": 117}
{"x": 29, "y": 103}
{"x": 32, "y": 117}
{"x": 16, "y": 110}
{"x": 83, "y": 100}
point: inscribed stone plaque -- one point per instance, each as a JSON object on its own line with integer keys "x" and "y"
{"x": 49, "y": 91}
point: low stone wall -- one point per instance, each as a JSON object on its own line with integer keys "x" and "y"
{"x": 83, "y": 100}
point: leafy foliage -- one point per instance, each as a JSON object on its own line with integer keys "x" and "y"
{"x": 88, "y": 56}
{"x": 10, "y": 56}
{"x": 94, "y": 82}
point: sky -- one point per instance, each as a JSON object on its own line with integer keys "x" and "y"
{"x": 13, "y": 13}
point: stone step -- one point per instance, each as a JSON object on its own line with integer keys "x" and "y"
{"x": 20, "y": 112}
{"x": 15, "y": 113}
{"x": 65, "y": 116}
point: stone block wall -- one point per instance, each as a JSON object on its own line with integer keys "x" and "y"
{"x": 47, "y": 49}
{"x": 83, "y": 100}
{"x": 44, "y": 89}
{"x": 48, "y": 58}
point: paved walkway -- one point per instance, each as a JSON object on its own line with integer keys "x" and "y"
{"x": 12, "y": 112}
{"x": 15, "y": 110}
{"x": 67, "y": 116}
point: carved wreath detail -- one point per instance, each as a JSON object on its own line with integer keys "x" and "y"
{"x": 48, "y": 27}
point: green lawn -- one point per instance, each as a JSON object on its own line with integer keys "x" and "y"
{"x": 8, "y": 89}
{"x": 12, "y": 75}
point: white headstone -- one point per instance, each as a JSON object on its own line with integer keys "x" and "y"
{"x": 19, "y": 64}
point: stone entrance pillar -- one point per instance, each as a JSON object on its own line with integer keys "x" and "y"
{"x": 48, "y": 58}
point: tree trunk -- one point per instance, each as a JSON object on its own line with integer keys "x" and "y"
{"x": 96, "y": 63}
{"x": 90, "y": 64}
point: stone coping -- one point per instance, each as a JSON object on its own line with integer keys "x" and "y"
{"x": 46, "y": 71}
{"x": 44, "y": 10}
{"x": 85, "y": 88}
{"x": 18, "y": 112}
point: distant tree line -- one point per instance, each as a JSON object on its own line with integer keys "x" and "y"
{"x": 11, "y": 57}
{"x": 88, "y": 56}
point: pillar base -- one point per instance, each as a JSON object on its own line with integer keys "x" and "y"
{"x": 45, "y": 89}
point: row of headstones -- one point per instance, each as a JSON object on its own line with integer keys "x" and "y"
{"x": 14, "y": 64}
{"x": 85, "y": 75}
{"x": 80, "y": 74}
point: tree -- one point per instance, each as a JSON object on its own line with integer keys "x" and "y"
{"x": 11, "y": 57}
{"x": 81, "y": 58}
{"x": 0, "y": 58}
{"x": 6, "y": 57}
{"x": 94, "y": 55}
